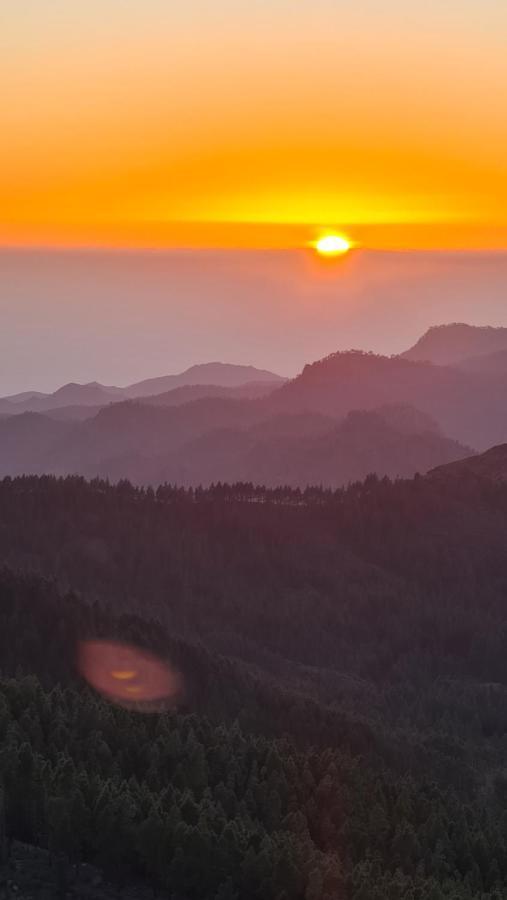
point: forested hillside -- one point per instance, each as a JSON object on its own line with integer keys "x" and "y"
{"x": 344, "y": 722}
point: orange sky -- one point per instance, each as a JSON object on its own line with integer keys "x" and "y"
{"x": 166, "y": 124}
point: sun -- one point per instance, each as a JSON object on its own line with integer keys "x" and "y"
{"x": 332, "y": 245}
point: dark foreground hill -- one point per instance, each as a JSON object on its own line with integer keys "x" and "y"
{"x": 346, "y": 706}
{"x": 35, "y": 873}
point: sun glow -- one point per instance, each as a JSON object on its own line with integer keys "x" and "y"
{"x": 279, "y": 135}
{"x": 333, "y": 245}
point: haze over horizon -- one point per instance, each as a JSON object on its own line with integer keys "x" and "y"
{"x": 241, "y": 134}
{"x": 119, "y": 317}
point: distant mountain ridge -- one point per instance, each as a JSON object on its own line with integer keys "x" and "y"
{"x": 188, "y": 392}
{"x": 446, "y": 345}
{"x": 219, "y": 375}
{"x": 347, "y": 451}
{"x": 344, "y": 416}
{"x": 217, "y": 439}
{"x": 71, "y": 394}
{"x": 468, "y": 406}
{"x": 216, "y": 373}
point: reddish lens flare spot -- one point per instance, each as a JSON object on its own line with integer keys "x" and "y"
{"x": 128, "y": 675}
{"x": 124, "y": 676}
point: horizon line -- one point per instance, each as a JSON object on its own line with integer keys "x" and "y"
{"x": 394, "y": 237}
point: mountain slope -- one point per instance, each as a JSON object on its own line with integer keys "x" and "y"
{"x": 423, "y": 415}
{"x": 27, "y": 442}
{"x": 24, "y": 395}
{"x": 487, "y": 363}
{"x": 133, "y": 431}
{"x": 491, "y": 465}
{"x": 72, "y": 394}
{"x": 208, "y": 375}
{"x": 189, "y": 392}
{"x": 366, "y": 629}
{"x": 216, "y": 373}
{"x": 216, "y": 439}
{"x": 449, "y": 344}
{"x": 363, "y": 443}
{"x": 469, "y": 407}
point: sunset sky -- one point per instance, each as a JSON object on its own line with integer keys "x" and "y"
{"x": 253, "y": 124}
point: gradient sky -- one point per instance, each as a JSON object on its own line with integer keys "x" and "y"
{"x": 164, "y": 123}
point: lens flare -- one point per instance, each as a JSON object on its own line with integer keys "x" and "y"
{"x": 129, "y": 676}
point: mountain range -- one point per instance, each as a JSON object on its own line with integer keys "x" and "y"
{"x": 216, "y": 374}
{"x": 322, "y": 673}
{"x": 342, "y": 418}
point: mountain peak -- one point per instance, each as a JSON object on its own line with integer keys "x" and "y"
{"x": 450, "y": 344}
{"x": 343, "y": 362}
{"x": 213, "y": 373}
